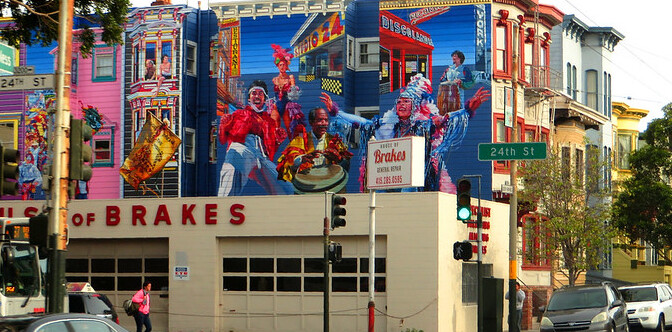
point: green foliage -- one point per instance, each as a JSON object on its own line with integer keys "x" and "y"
{"x": 575, "y": 202}
{"x": 412, "y": 330}
{"x": 643, "y": 207}
{"x": 36, "y": 21}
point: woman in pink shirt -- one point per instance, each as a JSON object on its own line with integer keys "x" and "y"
{"x": 142, "y": 316}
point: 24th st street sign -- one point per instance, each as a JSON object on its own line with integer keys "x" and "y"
{"x": 512, "y": 151}
{"x": 27, "y": 82}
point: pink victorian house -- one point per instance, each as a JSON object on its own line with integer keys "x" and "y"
{"x": 96, "y": 97}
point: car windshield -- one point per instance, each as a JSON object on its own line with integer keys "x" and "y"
{"x": 639, "y": 294}
{"x": 579, "y": 299}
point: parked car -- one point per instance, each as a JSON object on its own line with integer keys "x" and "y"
{"x": 82, "y": 298}
{"x": 585, "y": 308}
{"x": 649, "y": 306}
{"x": 59, "y": 322}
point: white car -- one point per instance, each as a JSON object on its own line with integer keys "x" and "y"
{"x": 649, "y": 306}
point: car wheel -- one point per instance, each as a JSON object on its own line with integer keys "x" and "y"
{"x": 610, "y": 328}
{"x": 661, "y": 324}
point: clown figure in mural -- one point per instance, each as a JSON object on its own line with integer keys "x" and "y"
{"x": 284, "y": 86}
{"x": 316, "y": 161}
{"x": 416, "y": 114}
{"x": 252, "y": 137}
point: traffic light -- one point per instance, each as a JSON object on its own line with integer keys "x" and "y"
{"x": 39, "y": 230}
{"x": 80, "y": 150}
{"x": 463, "y": 250}
{"x": 337, "y": 211}
{"x": 9, "y": 170}
{"x": 335, "y": 252}
{"x": 464, "y": 200}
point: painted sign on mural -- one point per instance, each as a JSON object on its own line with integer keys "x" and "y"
{"x": 36, "y": 148}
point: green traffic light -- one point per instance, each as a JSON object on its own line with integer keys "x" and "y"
{"x": 464, "y": 213}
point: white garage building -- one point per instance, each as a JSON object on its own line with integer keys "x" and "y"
{"x": 255, "y": 263}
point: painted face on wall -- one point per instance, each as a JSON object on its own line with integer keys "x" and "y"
{"x": 456, "y": 60}
{"x": 282, "y": 66}
{"x": 404, "y": 108}
{"x": 257, "y": 98}
{"x": 320, "y": 123}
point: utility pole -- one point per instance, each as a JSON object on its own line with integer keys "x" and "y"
{"x": 513, "y": 200}
{"x": 58, "y": 205}
{"x": 326, "y": 284}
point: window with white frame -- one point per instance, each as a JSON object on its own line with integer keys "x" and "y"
{"x": 191, "y": 58}
{"x": 189, "y": 144}
{"x": 8, "y": 133}
{"x": 351, "y": 52}
{"x": 591, "y": 89}
{"x": 103, "y": 147}
{"x": 104, "y": 61}
{"x": 367, "y": 54}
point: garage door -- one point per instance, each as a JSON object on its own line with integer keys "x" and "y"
{"x": 275, "y": 284}
{"x": 117, "y": 268}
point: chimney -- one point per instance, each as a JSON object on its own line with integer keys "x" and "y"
{"x": 161, "y": 3}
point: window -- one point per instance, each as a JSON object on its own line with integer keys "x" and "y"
{"x": 502, "y": 49}
{"x": 189, "y": 144}
{"x": 624, "y": 149}
{"x": 574, "y": 80}
{"x": 103, "y": 147}
{"x": 528, "y": 57}
{"x": 8, "y": 133}
{"x": 191, "y": 58}
{"x": 535, "y": 252}
{"x": 591, "y": 89}
{"x": 568, "y": 75}
{"x": 104, "y": 64}
{"x": 566, "y": 162}
{"x": 578, "y": 163}
{"x": 213, "y": 144}
{"x": 608, "y": 93}
{"x": 367, "y": 54}
{"x": 351, "y": 52}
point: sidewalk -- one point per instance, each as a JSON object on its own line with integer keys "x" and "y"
{"x": 535, "y": 327}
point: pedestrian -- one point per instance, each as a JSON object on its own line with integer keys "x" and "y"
{"x": 142, "y": 315}
{"x": 520, "y": 299}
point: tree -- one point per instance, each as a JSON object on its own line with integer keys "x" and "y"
{"x": 642, "y": 208}
{"x": 36, "y": 21}
{"x": 574, "y": 201}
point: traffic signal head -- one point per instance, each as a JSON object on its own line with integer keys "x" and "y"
{"x": 464, "y": 200}
{"x": 337, "y": 211}
{"x": 80, "y": 150}
{"x": 9, "y": 171}
{"x": 39, "y": 230}
{"x": 335, "y": 252}
{"x": 463, "y": 250}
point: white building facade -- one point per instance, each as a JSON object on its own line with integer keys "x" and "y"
{"x": 256, "y": 263}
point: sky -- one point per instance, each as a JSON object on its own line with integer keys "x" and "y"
{"x": 641, "y": 69}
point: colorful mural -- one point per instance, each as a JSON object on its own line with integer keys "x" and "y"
{"x": 36, "y": 146}
{"x": 433, "y": 74}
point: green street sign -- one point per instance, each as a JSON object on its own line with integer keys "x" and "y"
{"x": 512, "y": 151}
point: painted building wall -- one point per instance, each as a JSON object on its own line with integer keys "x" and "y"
{"x": 96, "y": 86}
{"x": 327, "y": 58}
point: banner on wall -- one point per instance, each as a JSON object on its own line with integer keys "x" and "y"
{"x": 154, "y": 148}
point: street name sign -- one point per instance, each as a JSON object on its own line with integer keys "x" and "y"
{"x": 27, "y": 82}
{"x": 512, "y": 151}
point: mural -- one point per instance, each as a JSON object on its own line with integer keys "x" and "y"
{"x": 434, "y": 81}
{"x": 36, "y": 147}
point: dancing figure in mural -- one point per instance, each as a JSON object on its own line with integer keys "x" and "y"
{"x": 416, "y": 114}
{"x": 316, "y": 161}
{"x": 454, "y": 80}
{"x": 285, "y": 88}
{"x": 251, "y": 137}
